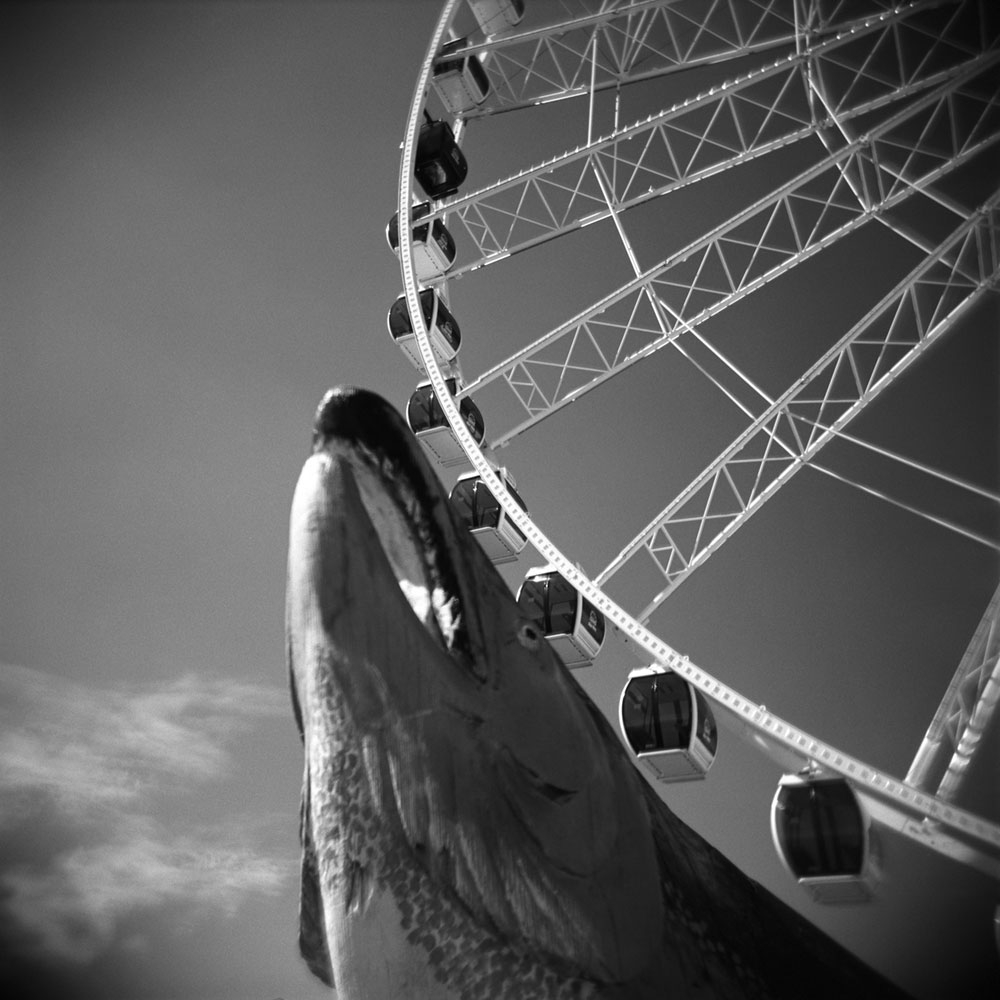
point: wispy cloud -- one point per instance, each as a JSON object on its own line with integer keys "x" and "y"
{"x": 86, "y": 746}
{"x": 101, "y": 763}
{"x": 73, "y": 907}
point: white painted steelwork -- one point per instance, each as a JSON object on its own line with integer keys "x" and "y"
{"x": 861, "y": 178}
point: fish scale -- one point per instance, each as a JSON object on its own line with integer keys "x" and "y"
{"x": 356, "y": 834}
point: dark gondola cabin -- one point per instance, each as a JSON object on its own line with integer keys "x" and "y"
{"x": 433, "y": 246}
{"x": 497, "y": 16}
{"x": 667, "y": 723}
{"x": 573, "y": 626}
{"x": 460, "y": 82}
{"x": 443, "y": 331}
{"x": 499, "y": 536}
{"x": 428, "y": 422}
{"x": 823, "y": 837}
{"x": 439, "y": 164}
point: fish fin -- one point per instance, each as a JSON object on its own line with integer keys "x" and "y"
{"x": 567, "y": 872}
{"x": 312, "y": 921}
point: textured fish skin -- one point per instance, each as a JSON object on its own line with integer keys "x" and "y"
{"x": 471, "y": 826}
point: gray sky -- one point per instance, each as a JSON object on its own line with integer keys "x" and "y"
{"x": 194, "y": 198}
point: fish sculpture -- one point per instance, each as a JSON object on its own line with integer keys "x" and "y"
{"x": 471, "y": 826}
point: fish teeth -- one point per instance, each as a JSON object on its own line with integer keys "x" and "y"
{"x": 446, "y": 609}
{"x": 419, "y": 597}
{"x": 437, "y": 608}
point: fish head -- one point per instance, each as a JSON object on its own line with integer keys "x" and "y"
{"x": 482, "y": 755}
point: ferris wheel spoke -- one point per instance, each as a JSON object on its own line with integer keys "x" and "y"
{"x": 810, "y": 414}
{"x": 635, "y": 41}
{"x": 938, "y": 41}
{"x": 743, "y": 254}
{"x": 738, "y": 121}
{"x": 643, "y": 40}
{"x": 974, "y": 536}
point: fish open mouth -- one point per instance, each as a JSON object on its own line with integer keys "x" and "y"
{"x": 404, "y": 502}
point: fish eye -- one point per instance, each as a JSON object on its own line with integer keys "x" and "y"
{"x": 529, "y": 635}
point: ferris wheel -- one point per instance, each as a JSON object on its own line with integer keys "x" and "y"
{"x": 637, "y": 171}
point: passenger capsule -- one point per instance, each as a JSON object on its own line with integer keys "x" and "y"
{"x": 433, "y": 246}
{"x": 823, "y": 836}
{"x": 439, "y": 164}
{"x": 461, "y": 83}
{"x": 497, "y": 16}
{"x": 668, "y": 724}
{"x": 428, "y": 422}
{"x": 443, "y": 331}
{"x": 573, "y": 626}
{"x": 499, "y": 536}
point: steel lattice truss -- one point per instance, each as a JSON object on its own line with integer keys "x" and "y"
{"x": 641, "y": 39}
{"x": 862, "y": 180}
{"x": 834, "y": 391}
{"x": 858, "y": 69}
{"x": 919, "y": 57}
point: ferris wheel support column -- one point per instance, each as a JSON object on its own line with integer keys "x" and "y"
{"x": 964, "y": 713}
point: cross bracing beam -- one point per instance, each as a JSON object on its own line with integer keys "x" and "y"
{"x": 754, "y": 247}
{"x": 789, "y": 433}
{"x": 641, "y": 40}
{"x": 822, "y": 96}
{"x": 737, "y": 121}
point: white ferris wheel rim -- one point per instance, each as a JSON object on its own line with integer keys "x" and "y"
{"x": 890, "y": 800}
